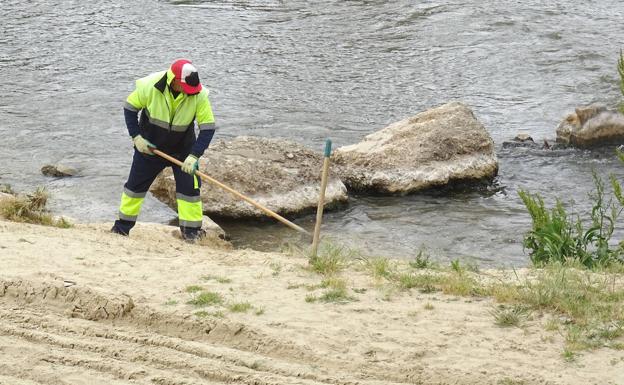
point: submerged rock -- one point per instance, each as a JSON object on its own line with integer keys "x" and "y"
{"x": 282, "y": 175}
{"x": 591, "y": 126}
{"x": 58, "y": 170}
{"x": 434, "y": 148}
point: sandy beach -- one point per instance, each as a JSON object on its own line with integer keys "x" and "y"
{"x": 83, "y": 306}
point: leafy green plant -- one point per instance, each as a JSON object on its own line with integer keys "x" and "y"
{"x": 556, "y": 236}
{"x": 421, "y": 261}
{"x": 456, "y": 266}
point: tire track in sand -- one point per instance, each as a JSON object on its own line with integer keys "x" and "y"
{"x": 55, "y": 346}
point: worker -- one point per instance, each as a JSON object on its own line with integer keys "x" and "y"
{"x": 169, "y": 102}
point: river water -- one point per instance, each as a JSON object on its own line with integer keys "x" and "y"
{"x": 309, "y": 71}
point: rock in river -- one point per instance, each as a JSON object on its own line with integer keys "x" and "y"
{"x": 58, "y": 170}
{"x": 279, "y": 174}
{"x": 433, "y": 148}
{"x": 591, "y": 126}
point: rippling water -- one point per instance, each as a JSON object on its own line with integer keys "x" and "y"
{"x": 306, "y": 71}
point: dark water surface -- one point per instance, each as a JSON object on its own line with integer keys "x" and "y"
{"x": 307, "y": 71}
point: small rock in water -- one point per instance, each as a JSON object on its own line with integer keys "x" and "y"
{"x": 523, "y": 138}
{"x": 57, "y": 171}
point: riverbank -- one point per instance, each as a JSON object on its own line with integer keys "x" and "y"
{"x": 81, "y": 305}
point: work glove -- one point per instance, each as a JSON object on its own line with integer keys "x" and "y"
{"x": 190, "y": 164}
{"x": 143, "y": 145}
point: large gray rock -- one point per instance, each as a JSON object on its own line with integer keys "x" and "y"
{"x": 591, "y": 126}
{"x": 434, "y": 148}
{"x": 282, "y": 175}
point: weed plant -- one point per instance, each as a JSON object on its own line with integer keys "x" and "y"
{"x": 331, "y": 259}
{"x": 557, "y": 236}
{"x": 30, "y": 208}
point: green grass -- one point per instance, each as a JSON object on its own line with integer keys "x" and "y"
{"x": 333, "y": 283}
{"x": 310, "y": 298}
{"x": 239, "y": 307}
{"x": 337, "y": 295}
{"x": 506, "y": 316}
{"x": 193, "y": 289}
{"x": 552, "y": 325}
{"x": 206, "y": 298}
{"x": 204, "y": 314}
{"x": 427, "y": 282}
{"x": 31, "y": 208}
{"x": 451, "y": 283}
{"x": 592, "y": 301}
{"x": 331, "y": 259}
{"x": 421, "y": 261}
{"x": 217, "y": 278}
{"x": 380, "y": 268}
{"x": 569, "y": 355}
{"x": 276, "y": 267}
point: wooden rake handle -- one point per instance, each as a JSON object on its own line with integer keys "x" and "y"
{"x": 235, "y": 193}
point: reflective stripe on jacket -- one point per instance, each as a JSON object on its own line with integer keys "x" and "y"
{"x": 165, "y": 121}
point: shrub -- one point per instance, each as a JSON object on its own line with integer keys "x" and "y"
{"x": 556, "y": 236}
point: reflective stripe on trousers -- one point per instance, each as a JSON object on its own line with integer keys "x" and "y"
{"x": 190, "y": 212}
{"x": 144, "y": 170}
{"x": 130, "y": 208}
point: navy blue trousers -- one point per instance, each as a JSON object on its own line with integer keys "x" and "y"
{"x": 144, "y": 169}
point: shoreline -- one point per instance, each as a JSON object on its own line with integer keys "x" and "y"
{"x": 135, "y": 314}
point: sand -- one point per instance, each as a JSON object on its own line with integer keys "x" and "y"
{"x": 83, "y": 306}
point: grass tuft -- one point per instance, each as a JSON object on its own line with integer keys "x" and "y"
{"x": 507, "y": 316}
{"x": 380, "y": 268}
{"x": 31, "y": 208}
{"x": 239, "y": 307}
{"x": 206, "y": 298}
{"x": 331, "y": 260}
{"x": 203, "y": 314}
{"x": 337, "y": 295}
{"x": 193, "y": 289}
{"x": 421, "y": 261}
{"x": 216, "y": 278}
